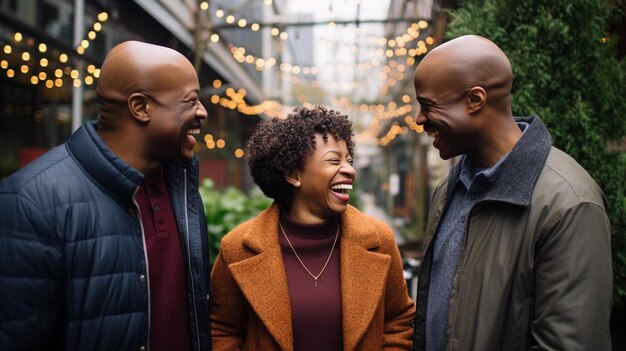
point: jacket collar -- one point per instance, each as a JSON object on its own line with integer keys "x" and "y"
{"x": 102, "y": 165}
{"x": 111, "y": 172}
{"x": 263, "y": 281}
{"x": 521, "y": 168}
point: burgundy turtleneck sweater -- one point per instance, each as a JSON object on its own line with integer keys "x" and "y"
{"x": 316, "y": 314}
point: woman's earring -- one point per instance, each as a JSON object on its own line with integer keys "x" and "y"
{"x": 297, "y": 184}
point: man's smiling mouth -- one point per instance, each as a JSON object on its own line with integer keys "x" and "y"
{"x": 193, "y": 131}
{"x": 432, "y": 133}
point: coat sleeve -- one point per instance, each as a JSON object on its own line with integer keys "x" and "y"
{"x": 229, "y": 314}
{"x": 31, "y": 271}
{"x": 399, "y": 308}
{"x": 573, "y": 283}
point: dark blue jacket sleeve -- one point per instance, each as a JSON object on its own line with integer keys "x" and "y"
{"x": 31, "y": 274}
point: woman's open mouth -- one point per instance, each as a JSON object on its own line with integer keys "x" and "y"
{"x": 341, "y": 191}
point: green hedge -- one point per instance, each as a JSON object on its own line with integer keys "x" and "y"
{"x": 566, "y": 71}
{"x": 225, "y": 209}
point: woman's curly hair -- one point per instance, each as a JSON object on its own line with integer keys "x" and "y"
{"x": 279, "y": 147}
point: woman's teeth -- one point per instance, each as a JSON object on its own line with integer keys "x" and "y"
{"x": 340, "y": 188}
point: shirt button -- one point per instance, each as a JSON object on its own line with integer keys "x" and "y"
{"x": 158, "y": 208}
{"x": 463, "y": 219}
{"x": 142, "y": 278}
{"x": 142, "y": 348}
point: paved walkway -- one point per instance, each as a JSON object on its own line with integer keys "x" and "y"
{"x": 369, "y": 207}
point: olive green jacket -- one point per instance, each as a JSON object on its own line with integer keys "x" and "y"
{"x": 535, "y": 268}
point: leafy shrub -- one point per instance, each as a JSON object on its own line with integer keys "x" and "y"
{"x": 225, "y": 209}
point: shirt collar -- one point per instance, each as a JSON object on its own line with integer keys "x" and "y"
{"x": 480, "y": 179}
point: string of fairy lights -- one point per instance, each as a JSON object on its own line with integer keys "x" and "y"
{"x": 395, "y": 49}
{"x": 53, "y": 69}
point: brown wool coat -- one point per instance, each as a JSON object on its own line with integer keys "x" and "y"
{"x": 250, "y": 302}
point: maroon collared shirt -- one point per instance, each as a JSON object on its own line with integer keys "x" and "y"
{"x": 167, "y": 275}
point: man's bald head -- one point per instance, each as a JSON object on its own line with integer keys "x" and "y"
{"x": 469, "y": 61}
{"x": 136, "y": 67}
{"x": 464, "y": 91}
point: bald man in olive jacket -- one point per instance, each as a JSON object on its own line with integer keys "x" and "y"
{"x": 518, "y": 242}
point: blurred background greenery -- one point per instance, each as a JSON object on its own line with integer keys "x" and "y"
{"x": 225, "y": 209}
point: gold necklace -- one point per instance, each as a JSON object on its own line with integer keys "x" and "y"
{"x": 315, "y": 277}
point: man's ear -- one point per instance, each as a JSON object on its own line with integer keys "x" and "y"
{"x": 476, "y": 98}
{"x": 138, "y": 106}
{"x": 293, "y": 178}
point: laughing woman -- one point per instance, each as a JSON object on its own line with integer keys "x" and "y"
{"x": 310, "y": 272}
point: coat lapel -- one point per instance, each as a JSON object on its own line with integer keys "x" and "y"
{"x": 363, "y": 274}
{"x": 262, "y": 278}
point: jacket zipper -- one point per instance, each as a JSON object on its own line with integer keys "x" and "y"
{"x": 193, "y": 288}
{"x": 145, "y": 253}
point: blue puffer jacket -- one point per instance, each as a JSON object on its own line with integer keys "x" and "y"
{"x": 72, "y": 256}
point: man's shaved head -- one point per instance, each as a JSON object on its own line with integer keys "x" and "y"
{"x": 136, "y": 67}
{"x": 464, "y": 90}
{"x": 469, "y": 61}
